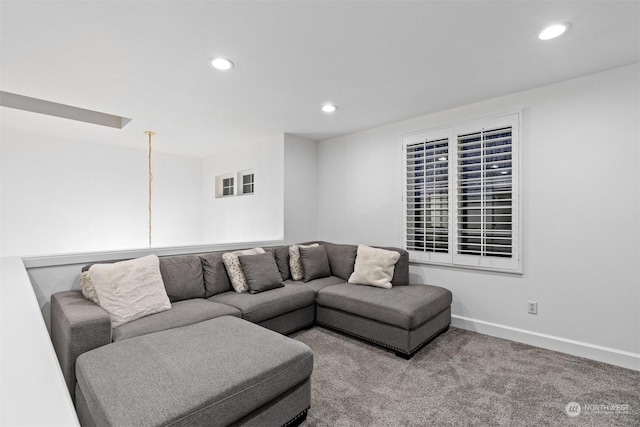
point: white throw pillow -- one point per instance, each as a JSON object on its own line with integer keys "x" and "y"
{"x": 374, "y": 267}
{"x": 129, "y": 290}
{"x": 88, "y": 290}
{"x": 234, "y": 269}
{"x": 295, "y": 263}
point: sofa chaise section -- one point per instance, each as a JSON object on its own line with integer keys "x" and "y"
{"x": 78, "y": 325}
{"x": 213, "y": 373}
{"x": 402, "y": 318}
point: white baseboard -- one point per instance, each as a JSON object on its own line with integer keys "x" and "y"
{"x": 612, "y": 356}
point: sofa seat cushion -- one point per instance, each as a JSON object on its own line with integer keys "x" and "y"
{"x": 318, "y": 284}
{"x": 268, "y": 304}
{"x": 210, "y": 373}
{"x": 182, "y": 313}
{"x": 404, "y": 306}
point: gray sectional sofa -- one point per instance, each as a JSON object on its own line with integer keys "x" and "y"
{"x": 203, "y": 329}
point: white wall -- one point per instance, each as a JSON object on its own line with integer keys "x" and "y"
{"x": 580, "y": 204}
{"x": 63, "y": 196}
{"x": 177, "y": 202}
{"x": 30, "y": 369}
{"x": 250, "y": 217}
{"x": 300, "y": 184}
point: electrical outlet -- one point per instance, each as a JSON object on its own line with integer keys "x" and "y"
{"x": 533, "y": 307}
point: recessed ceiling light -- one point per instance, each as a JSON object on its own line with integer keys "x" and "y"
{"x": 222, "y": 64}
{"x": 442, "y": 159}
{"x": 329, "y": 108}
{"x": 553, "y": 31}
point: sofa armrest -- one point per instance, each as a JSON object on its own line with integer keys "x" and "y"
{"x": 77, "y": 326}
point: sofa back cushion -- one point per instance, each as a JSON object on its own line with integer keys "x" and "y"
{"x": 182, "y": 276}
{"x": 281, "y": 254}
{"x": 216, "y": 280}
{"x": 401, "y": 270}
{"x": 342, "y": 258}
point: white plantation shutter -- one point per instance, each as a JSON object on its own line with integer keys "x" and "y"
{"x": 427, "y": 196}
{"x": 462, "y": 195}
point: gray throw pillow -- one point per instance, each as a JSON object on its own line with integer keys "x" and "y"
{"x": 281, "y": 253}
{"x": 261, "y": 272}
{"x": 216, "y": 279}
{"x": 315, "y": 263}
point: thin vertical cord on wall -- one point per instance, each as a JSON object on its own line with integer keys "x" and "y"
{"x": 148, "y": 132}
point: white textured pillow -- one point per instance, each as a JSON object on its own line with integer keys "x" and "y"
{"x": 88, "y": 290}
{"x": 374, "y": 267}
{"x": 234, "y": 269}
{"x": 129, "y": 290}
{"x": 295, "y": 263}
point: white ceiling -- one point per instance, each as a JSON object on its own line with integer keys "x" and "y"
{"x": 379, "y": 61}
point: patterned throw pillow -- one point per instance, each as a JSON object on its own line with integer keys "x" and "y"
{"x": 234, "y": 269}
{"x": 295, "y": 264}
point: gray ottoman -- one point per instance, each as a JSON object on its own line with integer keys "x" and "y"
{"x": 214, "y": 373}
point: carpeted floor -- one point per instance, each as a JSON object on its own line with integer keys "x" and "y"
{"x": 463, "y": 378}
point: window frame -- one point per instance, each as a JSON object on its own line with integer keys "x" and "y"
{"x": 220, "y": 186}
{"x": 228, "y": 186}
{"x": 432, "y": 135}
{"x": 241, "y": 183}
{"x": 452, "y": 258}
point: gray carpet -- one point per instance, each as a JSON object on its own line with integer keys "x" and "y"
{"x": 463, "y": 378}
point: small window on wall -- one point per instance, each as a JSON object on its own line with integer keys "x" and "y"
{"x": 246, "y": 180}
{"x": 225, "y": 185}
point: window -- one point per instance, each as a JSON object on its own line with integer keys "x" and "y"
{"x": 227, "y": 187}
{"x": 226, "y": 184}
{"x": 462, "y": 194}
{"x": 427, "y": 195}
{"x": 246, "y": 179}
